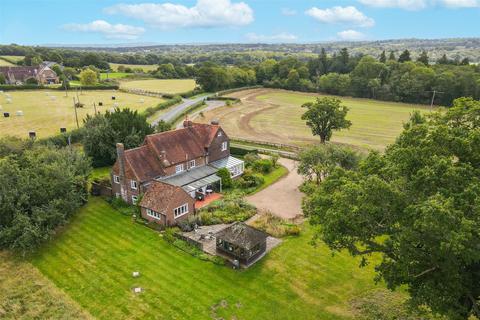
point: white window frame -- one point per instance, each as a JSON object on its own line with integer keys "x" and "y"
{"x": 134, "y": 199}
{"x": 219, "y": 133}
{"x": 191, "y": 164}
{"x": 116, "y": 179}
{"x": 224, "y": 145}
{"x": 133, "y": 184}
{"x": 153, "y": 214}
{"x": 179, "y": 168}
{"x": 180, "y": 211}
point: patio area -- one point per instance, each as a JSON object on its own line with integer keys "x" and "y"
{"x": 208, "y": 199}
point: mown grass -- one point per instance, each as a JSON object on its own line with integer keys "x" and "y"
{"x": 5, "y": 63}
{"x": 161, "y": 85}
{"x": 114, "y": 75}
{"x": 93, "y": 260}
{"x": 46, "y": 116}
{"x": 275, "y": 116}
{"x": 25, "y": 293}
{"x": 144, "y": 67}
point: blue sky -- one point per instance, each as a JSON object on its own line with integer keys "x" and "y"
{"x": 220, "y": 21}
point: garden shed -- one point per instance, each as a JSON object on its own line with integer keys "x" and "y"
{"x": 241, "y": 242}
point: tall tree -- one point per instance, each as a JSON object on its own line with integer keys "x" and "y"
{"x": 416, "y": 206}
{"x": 392, "y": 57}
{"x": 404, "y": 56}
{"x": 423, "y": 58}
{"x": 383, "y": 57}
{"x": 326, "y": 115}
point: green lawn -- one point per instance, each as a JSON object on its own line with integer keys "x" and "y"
{"x": 145, "y": 67}
{"x": 46, "y": 115}
{"x": 161, "y": 85}
{"x": 114, "y": 75}
{"x": 94, "y": 257}
{"x": 5, "y": 63}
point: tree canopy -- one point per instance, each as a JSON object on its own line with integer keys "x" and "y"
{"x": 418, "y": 206}
{"x": 40, "y": 188}
{"x": 104, "y": 131}
{"x": 324, "y": 116}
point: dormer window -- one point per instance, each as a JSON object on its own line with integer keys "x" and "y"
{"x": 133, "y": 184}
{"x": 179, "y": 168}
{"x": 224, "y": 145}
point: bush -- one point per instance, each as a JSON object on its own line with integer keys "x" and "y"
{"x": 224, "y": 174}
{"x": 263, "y": 165}
{"x": 249, "y": 181}
{"x": 239, "y": 151}
{"x": 250, "y": 158}
{"x": 123, "y": 207}
{"x": 31, "y": 81}
{"x": 275, "y": 226}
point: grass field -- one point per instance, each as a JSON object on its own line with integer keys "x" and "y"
{"x": 93, "y": 260}
{"x": 162, "y": 86}
{"x": 275, "y": 116}
{"x": 25, "y": 293}
{"x": 114, "y": 75}
{"x": 46, "y": 116}
{"x": 5, "y": 63}
{"x": 145, "y": 67}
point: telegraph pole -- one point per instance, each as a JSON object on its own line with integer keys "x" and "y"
{"x": 434, "y": 93}
{"x": 76, "y": 116}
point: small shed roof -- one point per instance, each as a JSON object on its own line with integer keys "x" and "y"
{"x": 242, "y": 235}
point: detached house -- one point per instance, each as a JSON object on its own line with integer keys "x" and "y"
{"x": 172, "y": 170}
{"x": 19, "y": 75}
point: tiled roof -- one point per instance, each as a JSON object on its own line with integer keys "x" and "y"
{"x": 142, "y": 163}
{"x": 242, "y": 235}
{"x": 159, "y": 195}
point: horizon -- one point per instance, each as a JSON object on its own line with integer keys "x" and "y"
{"x": 124, "y": 23}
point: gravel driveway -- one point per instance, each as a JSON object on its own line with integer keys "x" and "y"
{"x": 283, "y": 197}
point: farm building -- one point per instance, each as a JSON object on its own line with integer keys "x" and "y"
{"x": 173, "y": 170}
{"x": 241, "y": 242}
{"x": 43, "y": 74}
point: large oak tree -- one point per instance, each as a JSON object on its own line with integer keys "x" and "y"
{"x": 418, "y": 206}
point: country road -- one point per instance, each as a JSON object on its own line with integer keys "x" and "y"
{"x": 177, "y": 109}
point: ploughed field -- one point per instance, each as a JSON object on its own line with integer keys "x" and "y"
{"x": 92, "y": 261}
{"x": 46, "y": 111}
{"x": 171, "y": 86}
{"x": 275, "y": 116}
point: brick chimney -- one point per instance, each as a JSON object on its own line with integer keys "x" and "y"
{"x": 187, "y": 123}
{"x": 121, "y": 170}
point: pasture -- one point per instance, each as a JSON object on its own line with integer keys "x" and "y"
{"x": 114, "y": 75}
{"x": 25, "y": 293}
{"x": 144, "y": 67}
{"x": 171, "y": 86}
{"x": 46, "y": 111}
{"x": 93, "y": 260}
{"x": 275, "y": 116}
{"x": 10, "y": 60}
{"x": 5, "y": 63}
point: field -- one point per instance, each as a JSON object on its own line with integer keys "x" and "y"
{"x": 161, "y": 86}
{"x": 275, "y": 116}
{"x": 7, "y": 60}
{"x": 93, "y": 260}
{"x": 114, "y": 75}
{"x": 45, "y": 115}
{"x": 145, "y": 67}
{"x": 25, "y": 293}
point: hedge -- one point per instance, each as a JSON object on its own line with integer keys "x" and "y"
{"x": 11, "y": 87}
{"x": 61, "y": 139}
{"x": 241, "y": 151}
{"x": 161, "y": 106}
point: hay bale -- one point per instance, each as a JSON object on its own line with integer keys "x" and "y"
{"x": 135, "y": 274}
{"x": 141, "y": 100}
{"x": 63, "y": 130}
{"x": 6, "y": 114}
{"x": 53, "y": 98}
{"x": 137, "y": 290}
{"x": 100, "y": 104}
{"x": 115, "y": 105}
{"x": 19, "y": 113}
{"x": 113, "y": 98}
{"x": 9, "y": 100}
{"x": 32, "y": 134}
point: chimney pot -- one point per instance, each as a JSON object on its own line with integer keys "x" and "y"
{"x": 215, "y": 122}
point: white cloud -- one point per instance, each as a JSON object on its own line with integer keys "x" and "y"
{"x": 288, "y": 12}
{"x": 109, "y": 31}
{"x": 461, "y": 3}
{"x": 350, "y": 35}
{"x": 205, "y": 13}
{"x": 345, "y": 15}
{"x": 421, "y": 4}
{"x": 279, "y": 37}
{"x": 403, "y": 4}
